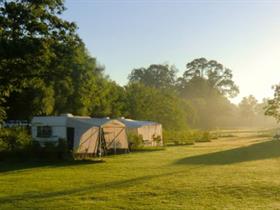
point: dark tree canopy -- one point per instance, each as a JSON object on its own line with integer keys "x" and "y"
{"x": 156, "y": 75}
{"x": 32, "y": 40}
{"x": 43, "y": 61}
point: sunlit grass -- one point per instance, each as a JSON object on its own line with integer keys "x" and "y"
{"x": 229, "y": 173}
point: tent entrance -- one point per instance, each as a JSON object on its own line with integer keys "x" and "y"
{"x": 111, "y": 141}
{"x": 101, "y": 145}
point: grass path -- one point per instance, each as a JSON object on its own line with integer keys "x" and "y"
{"x": 231, "y": 173}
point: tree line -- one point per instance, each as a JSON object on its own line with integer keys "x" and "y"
{"x": 45, "y": 69}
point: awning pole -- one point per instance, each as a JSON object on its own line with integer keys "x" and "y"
{"x": 115, "y": 146}
{"x": 100, "y": 130}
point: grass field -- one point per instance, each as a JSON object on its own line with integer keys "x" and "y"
{"x": 241, "y": 172}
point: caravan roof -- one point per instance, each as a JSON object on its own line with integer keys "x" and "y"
{"x": 136, "y": 123}
{"x": 74, "y": 120}
{"x": 101, "y": 122}
{"x": 49, "y": 120}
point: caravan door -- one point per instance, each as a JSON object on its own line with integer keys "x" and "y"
{"x": 70, "y": 137}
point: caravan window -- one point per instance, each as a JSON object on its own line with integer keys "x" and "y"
{"x": 44, "y": 131}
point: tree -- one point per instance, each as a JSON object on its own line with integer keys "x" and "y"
{"x": 261, "y": 119}
{"x": 211, "y": 108}
{"x": 149, "y": 103}
{"x": 109, "y": 99}
{"x": 35, "y": 48}
{"x": 206, "y": 85}
{"x": 273, "y": 105}
{"x": 248, "y": 108}
{"x": 2, "y": 109}
{"x": 156, "y": 75}
{"x": 3, "y": 95}
{"x": 31, "y": 100}
{"x": 216, "y": 75}
{"x": 33, "y": 37}
{"x": 43, "y": 62}
{"x": 197, "y": 87}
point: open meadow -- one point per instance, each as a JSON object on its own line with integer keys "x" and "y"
{"x": 139, "y": 105}
{"x": 238, "y": 172}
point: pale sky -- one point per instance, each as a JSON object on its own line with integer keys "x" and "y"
{"x": 126, "y": 34}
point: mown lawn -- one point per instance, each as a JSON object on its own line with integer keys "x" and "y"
{"x": 230, "y": 173}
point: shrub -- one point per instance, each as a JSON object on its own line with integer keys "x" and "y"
{"x": 49, "y": 151}
{"x": 177, "y": 137}
{"x": 13, "y": 139}
{"x": 185, "y": 137}
{"x": 52, "y": 150}
{"x": 276, "y": 137}
{"x": 63, "y": 151}
{"x": 16, "y": 143}
{"x": 157, "y": 139}
{"x": 203, "y": 137}
{"x": 219, "y": 134}
{"x": 135, "y": 141}
{"x": 35, "y": 150}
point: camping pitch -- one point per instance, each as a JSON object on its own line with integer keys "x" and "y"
{"x": 84, "y": 135}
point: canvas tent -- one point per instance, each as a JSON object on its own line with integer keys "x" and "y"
{"x": 150, "y": 131}
{"x": 112, "y": 133}
{"x": 85, "y": 135}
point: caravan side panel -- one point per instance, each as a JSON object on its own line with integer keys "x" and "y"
{"x": 56, "y": 124}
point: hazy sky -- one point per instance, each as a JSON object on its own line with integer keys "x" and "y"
{"x": 242, "y": 35}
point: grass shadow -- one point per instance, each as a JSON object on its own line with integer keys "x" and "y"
{"x": 148, "y": 149}
{"x": 259, "y": 151}
{"x": 9, "y": 166}
{"x": 118, "y": 184}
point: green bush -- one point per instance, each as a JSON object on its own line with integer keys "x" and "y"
{"x": 157, "y": 139}
{"x": 218, "y": 134}
{"x": 177, "y": 137}
{"x": 276, "y": 137}
{"x": 16, "y": 143}
{"x": 185, "y": 137}
{"x": 135, "y": 141}
{"x": 63, "y": 151}
{"x": 14, "y": 139}
{"x": 51, "y": 150}
{"x": 203, "y": 137}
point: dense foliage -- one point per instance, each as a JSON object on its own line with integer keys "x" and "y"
{"x": 135, "y": 141}
{"x": 45, "y": 69}
{"x": 215, "y": 74}
{"x": 16, "y": 143}
{"x": 156, "y": 75}
{"x": 185, "y": 137}
{"x": 148, "y": 103}
{"x": 14, "y": 139}
{"x": 44, "y": 65}
{"x": 273, "y": 105}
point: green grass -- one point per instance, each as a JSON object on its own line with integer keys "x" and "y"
{"x": 231, "y": 173}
